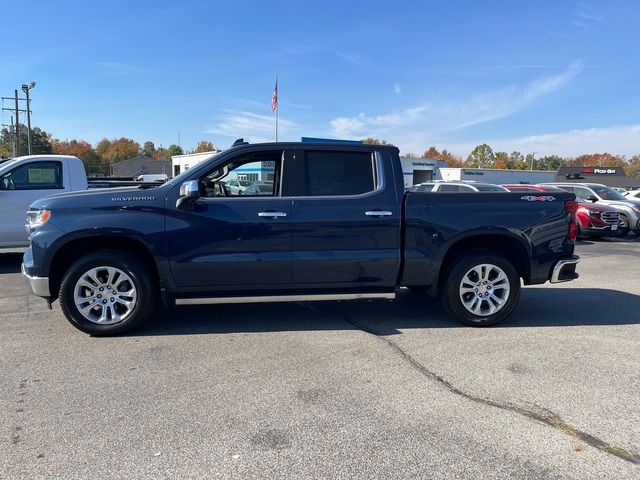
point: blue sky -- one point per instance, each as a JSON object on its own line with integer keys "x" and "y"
{"x": 547, "y": 76}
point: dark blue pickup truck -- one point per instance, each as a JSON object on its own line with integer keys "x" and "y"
{"x": 289, "y": 222}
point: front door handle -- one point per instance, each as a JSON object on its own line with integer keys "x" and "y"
{"x": 378, "y": 213}
{"x": 272, "y": 214}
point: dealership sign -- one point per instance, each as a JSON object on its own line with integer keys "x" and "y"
{"x": 600, "y": 171}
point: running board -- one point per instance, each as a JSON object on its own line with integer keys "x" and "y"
{"x": 283, "y": 298}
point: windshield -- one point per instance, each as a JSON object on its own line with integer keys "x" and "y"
{"x": 607, "y": 193}
{"x": 181, "y": 177}
{"x": 245, "y": 183}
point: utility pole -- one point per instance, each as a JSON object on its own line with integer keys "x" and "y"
{"x": 17, "y": 129}
{"x": 25, "y": 89}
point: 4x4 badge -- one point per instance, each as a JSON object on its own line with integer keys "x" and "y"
{"x": 538, "y": 198}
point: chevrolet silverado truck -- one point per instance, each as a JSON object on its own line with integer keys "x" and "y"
{"x": 335, "y": 224}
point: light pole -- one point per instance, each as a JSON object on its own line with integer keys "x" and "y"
{"x": 25, "y": 89}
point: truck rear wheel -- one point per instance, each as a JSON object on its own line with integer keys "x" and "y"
{"x": 106, "y": 293}
{"x": 481, "y": 289}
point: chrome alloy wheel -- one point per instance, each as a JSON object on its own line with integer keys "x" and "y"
{"x": 105, "y": 295}
{"x": 484, "y": 289}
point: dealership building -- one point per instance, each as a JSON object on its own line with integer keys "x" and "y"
{"x": 420, "y": 170}
{"x": 609, "y": 176}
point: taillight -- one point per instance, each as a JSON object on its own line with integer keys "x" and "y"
{"x": 571, "y": 207}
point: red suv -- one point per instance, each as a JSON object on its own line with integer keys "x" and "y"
{"x": 593, "y": 219}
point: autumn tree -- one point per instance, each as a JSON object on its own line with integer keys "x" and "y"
{"x": 517, "y": 161}
{"x": 481, "y": 157}
{"x": 633, "y": 167}
{"x": 432, "y": 152}
{"x": 501, "y": 161}
{"x": 598, "y": 160}
{"x": 122, "y": 149}
{"x": 101, "y": 149}
{"x": 149, "y": 148}
{"x": 375, "y": 141}
{"x": 409, "y": 155}
{"x": 81, "y": 149}
{"x": 204, "y": 146}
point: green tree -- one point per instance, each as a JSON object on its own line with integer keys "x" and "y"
{"x": 40, "y": 140}
{"x": 375, "y": 141}
{"x": 481, "y": 157}
{"x": 174, "y": 150}
{"x": 149, "y": 148}
{"x": 516, "y": 161}
{"x": 551, "y": 162}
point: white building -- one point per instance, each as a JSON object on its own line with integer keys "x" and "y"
{"x": 180, "y": 163}
{"x": 490, "y": 175}
{"x": 420, "y": 170}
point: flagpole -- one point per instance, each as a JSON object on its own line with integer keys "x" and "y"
{"x": 277, "y": 106}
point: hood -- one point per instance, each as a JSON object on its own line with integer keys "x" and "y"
{"x": 600, "y": 207}
{"x": 101, "y": 197}
{"x": 620, "y": 203}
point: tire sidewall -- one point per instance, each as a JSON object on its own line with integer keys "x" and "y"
{"x": 452, "y": 293}
{"x": 138, "y": 274}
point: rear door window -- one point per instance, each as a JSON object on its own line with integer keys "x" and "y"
{"x": 321, "y": 173}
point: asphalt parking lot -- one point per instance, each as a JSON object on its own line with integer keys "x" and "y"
{"x": 368, "y": 389}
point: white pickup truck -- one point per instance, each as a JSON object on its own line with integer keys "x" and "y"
{"x": 26, "y": 179}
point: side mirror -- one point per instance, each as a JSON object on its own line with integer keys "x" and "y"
{"x": 592, "y": 198}
{"x": 189, "y": 193}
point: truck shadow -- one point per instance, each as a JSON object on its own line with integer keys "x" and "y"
{"x": 539, "y": 307}
{"x": 10, "y": 262}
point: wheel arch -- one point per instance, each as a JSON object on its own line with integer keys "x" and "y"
{"x": 74, "y": 249}
{"x": 509, "y": 246}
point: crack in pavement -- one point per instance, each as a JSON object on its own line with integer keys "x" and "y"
{"x": 543, "y": 415}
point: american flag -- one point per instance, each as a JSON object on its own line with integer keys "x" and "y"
{"x": 274, "y": 99}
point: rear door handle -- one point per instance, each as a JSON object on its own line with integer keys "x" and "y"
{"x": 378, "y": 213}
{"x": 272, "y": 214}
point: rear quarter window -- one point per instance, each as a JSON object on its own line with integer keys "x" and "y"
{"x": 322, "y": 173}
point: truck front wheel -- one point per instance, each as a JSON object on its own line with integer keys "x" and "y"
{"x": 106, "y": 293}
{"x": 481, "y": 289}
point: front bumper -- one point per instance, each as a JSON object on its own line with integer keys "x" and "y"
{"x": 37, "y": 285}
{"x": 565, "y": 270}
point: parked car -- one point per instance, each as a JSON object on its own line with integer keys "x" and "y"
{"x": 628, "y": 208}
{"x": 460, "y": 187}
{"x": 593, "y": 219}
{"x": 24, "y": 180}
{"x": 152, "y": 177}
{"x": 339, "y": 226}
{"x": 633, "y": 194}
{"x": 259, "y": 188}
{"x": 237, "y": 187}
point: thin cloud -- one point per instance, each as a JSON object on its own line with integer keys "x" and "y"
{"x": 118, "y": 68}
{"x": 617, "y": 140}
{"x": 416, "y": 124}
{"x": 231, "y": 123}
{"x": 397, "y": 87}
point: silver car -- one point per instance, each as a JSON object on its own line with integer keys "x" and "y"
{"x": 457, "y": 187}
{"x": 629, "y": 208}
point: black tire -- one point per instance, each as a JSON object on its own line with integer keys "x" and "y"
{"x": 623, "y": 229}
{"x": 142, "y": 281}
{"x": 450, "y": 292}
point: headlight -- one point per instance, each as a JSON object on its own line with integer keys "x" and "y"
{"x": 37, "y": 218}
{"x": 593, "y": 213}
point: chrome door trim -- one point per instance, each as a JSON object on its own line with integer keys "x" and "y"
{"x": 283, "y": 298}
